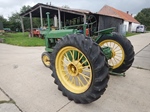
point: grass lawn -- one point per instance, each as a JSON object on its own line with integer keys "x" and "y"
{"x": 21, "y": 39}
{"x": 128, "y": 34}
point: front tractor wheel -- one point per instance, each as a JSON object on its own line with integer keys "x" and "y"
{"x": 46, "y": 59}
{"x": 79, "y": 68}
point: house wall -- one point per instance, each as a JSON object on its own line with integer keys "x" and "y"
{"x": 126, "y": 23}
{"x": 107, "y": 22}
{"x": 134, "y": 26}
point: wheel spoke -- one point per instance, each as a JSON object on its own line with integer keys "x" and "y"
{"x": 113, "y": 46}
{"x": 87, "y": 66}
{"x": 67, "y": 77}
{"x": 84, "y": 61}
{"x": 64, "y": 62}
{"x": 118, "y": 53}
{"x": 80, "y": 82}
{"x": 112, "y": 61}
{"x": 73, "y": 80}
{"x": 110, "y": 44}
{"x": 64, "y": 71}
{"x": 78, "y": 55}
{"x": 72, "y": 55}
{"x": 86, "y": 70}
{"x": 119, "y": 56}
{"x": 117, "y": 50}
{"x": 84, "y": 75}
{"x": 116, "y": 47}
{"x": 66, "y": 56}
{"x": 115, "y": 60}
{"x": 107, "y": 44}
{"x": 80, "y": 58}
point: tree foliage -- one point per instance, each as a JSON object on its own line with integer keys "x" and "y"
{"x": 24, "y": 8}
{"x": 14, "y": 22}
{"x": 4, "y": 21}
{"x": 144, "y": 17}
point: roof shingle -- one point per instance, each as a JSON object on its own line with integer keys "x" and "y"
{"x": 110, "y": 11}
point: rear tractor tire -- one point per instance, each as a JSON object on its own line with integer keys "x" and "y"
{"x": 122, "y": 51}
{"x": 46, "y": 59}
{"x": 79, "y": 68}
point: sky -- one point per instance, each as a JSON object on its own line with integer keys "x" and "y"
{"x": 7, "y": 7}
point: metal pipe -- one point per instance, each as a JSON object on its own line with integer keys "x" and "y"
{"x": 59, "y": 18}
{"x": 31, "y": 24}
{"x": 41, "y": 16}
{"x": 48, "y": 20}
{"x": 84, "y": 27}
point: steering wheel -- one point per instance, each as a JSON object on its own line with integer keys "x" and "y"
{"x": 92, "y": 21}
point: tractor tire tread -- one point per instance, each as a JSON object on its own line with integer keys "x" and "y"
{"x": 98, "y": 64}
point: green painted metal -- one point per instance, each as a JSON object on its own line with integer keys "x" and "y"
{"x": 48, "y": 49}
{"x": 107, "y": 52}
{"x": 107, "y": 31}
{"x": 60, "y": 33}
{"x": 117, "y": 74}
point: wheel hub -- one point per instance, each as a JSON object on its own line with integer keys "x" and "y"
{"x": 74, "y": 68}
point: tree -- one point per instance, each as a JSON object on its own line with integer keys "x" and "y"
{"x": 4, "y": 21}
{"x": 25, "y": 8}
{"x": 144, "y": 17}
{"x": 14, "y": 21}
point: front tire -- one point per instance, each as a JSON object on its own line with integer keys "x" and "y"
{"x": 79, "y": 68}
{"x": 122, "y": 51}
{"x": 45, "y": 57}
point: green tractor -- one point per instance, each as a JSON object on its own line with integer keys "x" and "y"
{"x": 81, "y": 65}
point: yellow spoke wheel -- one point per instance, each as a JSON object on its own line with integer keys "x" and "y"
{"x": 46, "y": 59}
{"x": 79, "y": 68}
{"x": 122, "y": 51}
{"x": 72, "y": 72}
{"x": 118, "y": 54}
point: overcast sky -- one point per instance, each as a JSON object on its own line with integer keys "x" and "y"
{"x": 7, "y": 7}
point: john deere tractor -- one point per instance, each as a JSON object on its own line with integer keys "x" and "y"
{"x": 81, "y": 65}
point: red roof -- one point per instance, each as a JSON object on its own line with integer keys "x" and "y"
{"x": 110, "y": 11}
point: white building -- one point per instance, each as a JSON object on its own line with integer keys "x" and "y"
{"x": 129, "y": 21}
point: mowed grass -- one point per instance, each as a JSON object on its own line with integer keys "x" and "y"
{"x": 128, "y": 34}
{"x": 21, "y": 39}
